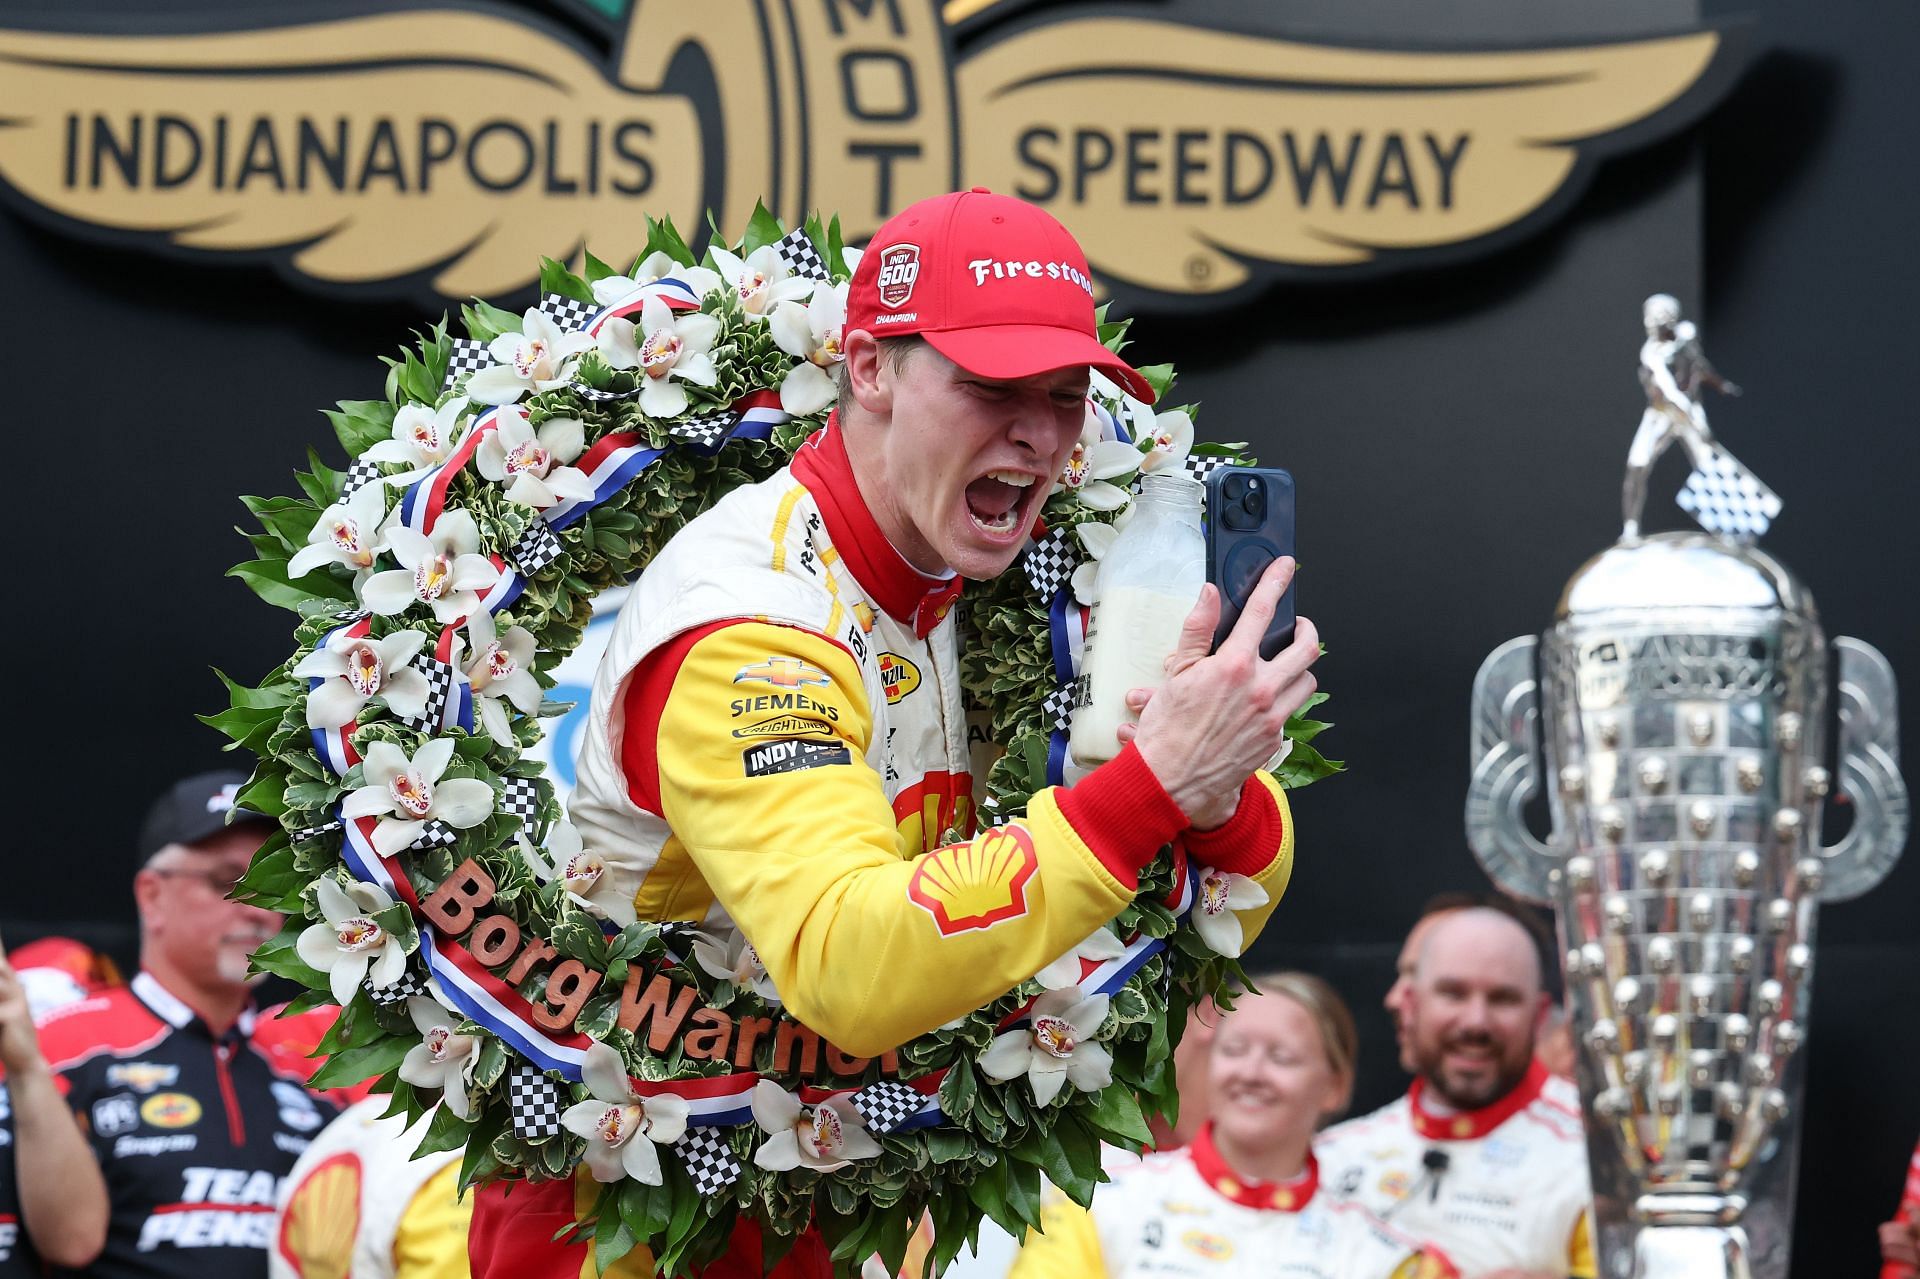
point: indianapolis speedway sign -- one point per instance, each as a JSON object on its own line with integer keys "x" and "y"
{"x": 443, "y": 150}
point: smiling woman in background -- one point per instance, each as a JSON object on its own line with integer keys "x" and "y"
{"x": 1243, "y": 1198}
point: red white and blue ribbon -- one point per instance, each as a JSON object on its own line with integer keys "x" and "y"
{"x": 677, "y": 294}
{"x": 1067, "y": 633}
{"x": 334, "y": 745}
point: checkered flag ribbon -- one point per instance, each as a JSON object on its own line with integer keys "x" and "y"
{"x": 1724, "y": 497}
{"x": 359, "y": 475}
{"x": 796, "y": 249}
{"x": 439, "y": 675}
{"x": 521, "y": 797}
{"x": 887, "y": 1104}
{"x": 1051, "y": 561}
{"x": 536, "y": 548}
{"x": 435, "y": 834}
{"x": 469, "y": 355}
{"x": 596, "y": 396}
{"x": 1058, "y": 708}
{"x": 534, "y": 1103}
{"x": 707, "y": 430}
{"x": 1197, "y": 465}
{"x": 410, "y": 983}
{"x": 307, "y": 834}
{"x": 709, "y": 1159}
{"x": 569, "y": 313}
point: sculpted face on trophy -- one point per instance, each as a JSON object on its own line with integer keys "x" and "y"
{"x": 1679, "y": 705}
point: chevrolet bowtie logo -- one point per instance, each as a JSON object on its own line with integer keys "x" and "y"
{"x": 781, "y": 672}
{"x": 448, "y": 149}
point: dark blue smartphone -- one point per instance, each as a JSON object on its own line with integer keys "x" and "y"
{"x": 1249, "y": 526}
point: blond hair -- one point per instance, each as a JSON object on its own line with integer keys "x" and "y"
{"x": 1331, "y": 1017}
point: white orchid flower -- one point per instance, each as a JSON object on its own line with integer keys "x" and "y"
{"x": 658, "y": 265}
{"x": 1221, "y": 894}
{"x": 1166, "y": 437}
{"x": 348, "y": 532}
{"x": 442, "y": 569}
{"x": 537, "y": 358}
{"x": 1064, "y": 972}
{"x": 422, "y": 438}
{"x": 666, "y": 349}
{"x": 1096, "y": 538}
{"x": 500, "y": 668}
{"x": 356, "y": 668}
{"x": 441, "y": 1059}
{"x": 811, "y": 332}
{"x": 1052, "y": 1050}
{"x": 406, "y": 794}
{"x": 761, "y": 279}
{"x": 822, "y": 1138}
{"x": 1093, "y": 462}
{"x": 582, "y": 872}
{"x": 532, "y": 464}
{"x": 851, "y": 256}
{"x": 622, "y": 1128}
{"x": 734, "y": 959}
{"x": 347, "y": 945}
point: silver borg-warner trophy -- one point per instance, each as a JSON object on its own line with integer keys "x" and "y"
{"x": 1683, "y": 692}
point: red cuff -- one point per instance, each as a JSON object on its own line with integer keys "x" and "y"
{"x": 1245, "y": 844}
{"x": 1123, "y": 814}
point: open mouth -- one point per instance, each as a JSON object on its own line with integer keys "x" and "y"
{"x": 999, "y": 501}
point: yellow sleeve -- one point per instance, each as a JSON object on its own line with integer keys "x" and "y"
{"x": 1580, "y": 1264}
{"x": 1251, "y": 839}
{"x": 868, "y": 945}
{"x": 1066, "y": 1243}
{"x": 431, "y": 1241}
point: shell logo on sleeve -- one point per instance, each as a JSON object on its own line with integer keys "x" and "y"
{"x": 321, "y": 1218}
{"x": 977, "y": 884}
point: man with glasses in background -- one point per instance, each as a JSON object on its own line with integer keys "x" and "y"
{"x": 193, "y": 1104}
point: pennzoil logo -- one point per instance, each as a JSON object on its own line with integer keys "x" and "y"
{"x": 978, "y": 884}
{"x": 781, "y": 672}
{"x": 441, "y": 151}
{"x": 898, "y": 677}
{"x": 1205, "y": 1243}
{"x": 171, "y": 1110}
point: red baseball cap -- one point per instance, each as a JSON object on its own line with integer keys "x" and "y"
{"x": 995, "y": 284}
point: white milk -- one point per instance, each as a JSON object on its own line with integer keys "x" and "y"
{"x": 1135, "y": 629}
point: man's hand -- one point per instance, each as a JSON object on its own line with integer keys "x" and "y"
{"x": 1900, "y": 1242}
{"x": 19, "y": 1045}
{"x": 1221, "y": 716}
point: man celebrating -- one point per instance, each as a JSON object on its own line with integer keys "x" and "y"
{"x": 1485, "y": 1155}
{"x": 748, "y": 767}
{"x": 194, "y": 1109}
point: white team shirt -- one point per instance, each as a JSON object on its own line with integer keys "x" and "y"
{"x": 1513, "y": 1191}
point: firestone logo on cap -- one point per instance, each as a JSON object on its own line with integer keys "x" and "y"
{"x": 899, "y": 268}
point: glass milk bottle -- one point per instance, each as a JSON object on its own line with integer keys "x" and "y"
{"x": 1149, "y": 580}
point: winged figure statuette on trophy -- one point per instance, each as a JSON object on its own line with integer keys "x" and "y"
{"x": 1679, "y": 705}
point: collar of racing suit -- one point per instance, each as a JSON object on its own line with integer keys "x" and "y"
{"x": 1270, "y": 1196}
{"x": 173, "y": 1010}
{"x": 1470, "y": 1125}
{"x": 909, "y": 596}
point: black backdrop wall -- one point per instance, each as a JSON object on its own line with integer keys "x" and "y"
{"x": 1457, "y": 437}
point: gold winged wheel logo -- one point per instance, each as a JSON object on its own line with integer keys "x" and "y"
{"x": 448, "y": 150}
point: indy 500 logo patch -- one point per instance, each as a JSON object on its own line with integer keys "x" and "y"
{"x": 899, "y": 268}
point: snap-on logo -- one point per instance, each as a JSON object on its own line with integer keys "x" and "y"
{"x": 899, "y": 268}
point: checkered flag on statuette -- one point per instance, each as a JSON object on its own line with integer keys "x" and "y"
{"x": 521, "y": 797}
{"x": 534, "y": 1103}
{"x": 709, "y": 1159}
{"x": 469, "y": 355}
{"x": 1197, "y": 465}
{"x": 568, "y": 313}
{"x": 887, "y": 1104}
{"x": 410, "y": 983}
{"x": 1724, "y": 497}
{"x": 359, "y": 475}
{"x": 1051, "y": 561}
{"x": 796, "y": 249}
{"x": 536, "y": 548}
{"x": 705, "y": 431}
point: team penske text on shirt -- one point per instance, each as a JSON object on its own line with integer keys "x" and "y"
{"x": 218, "y": 1208}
